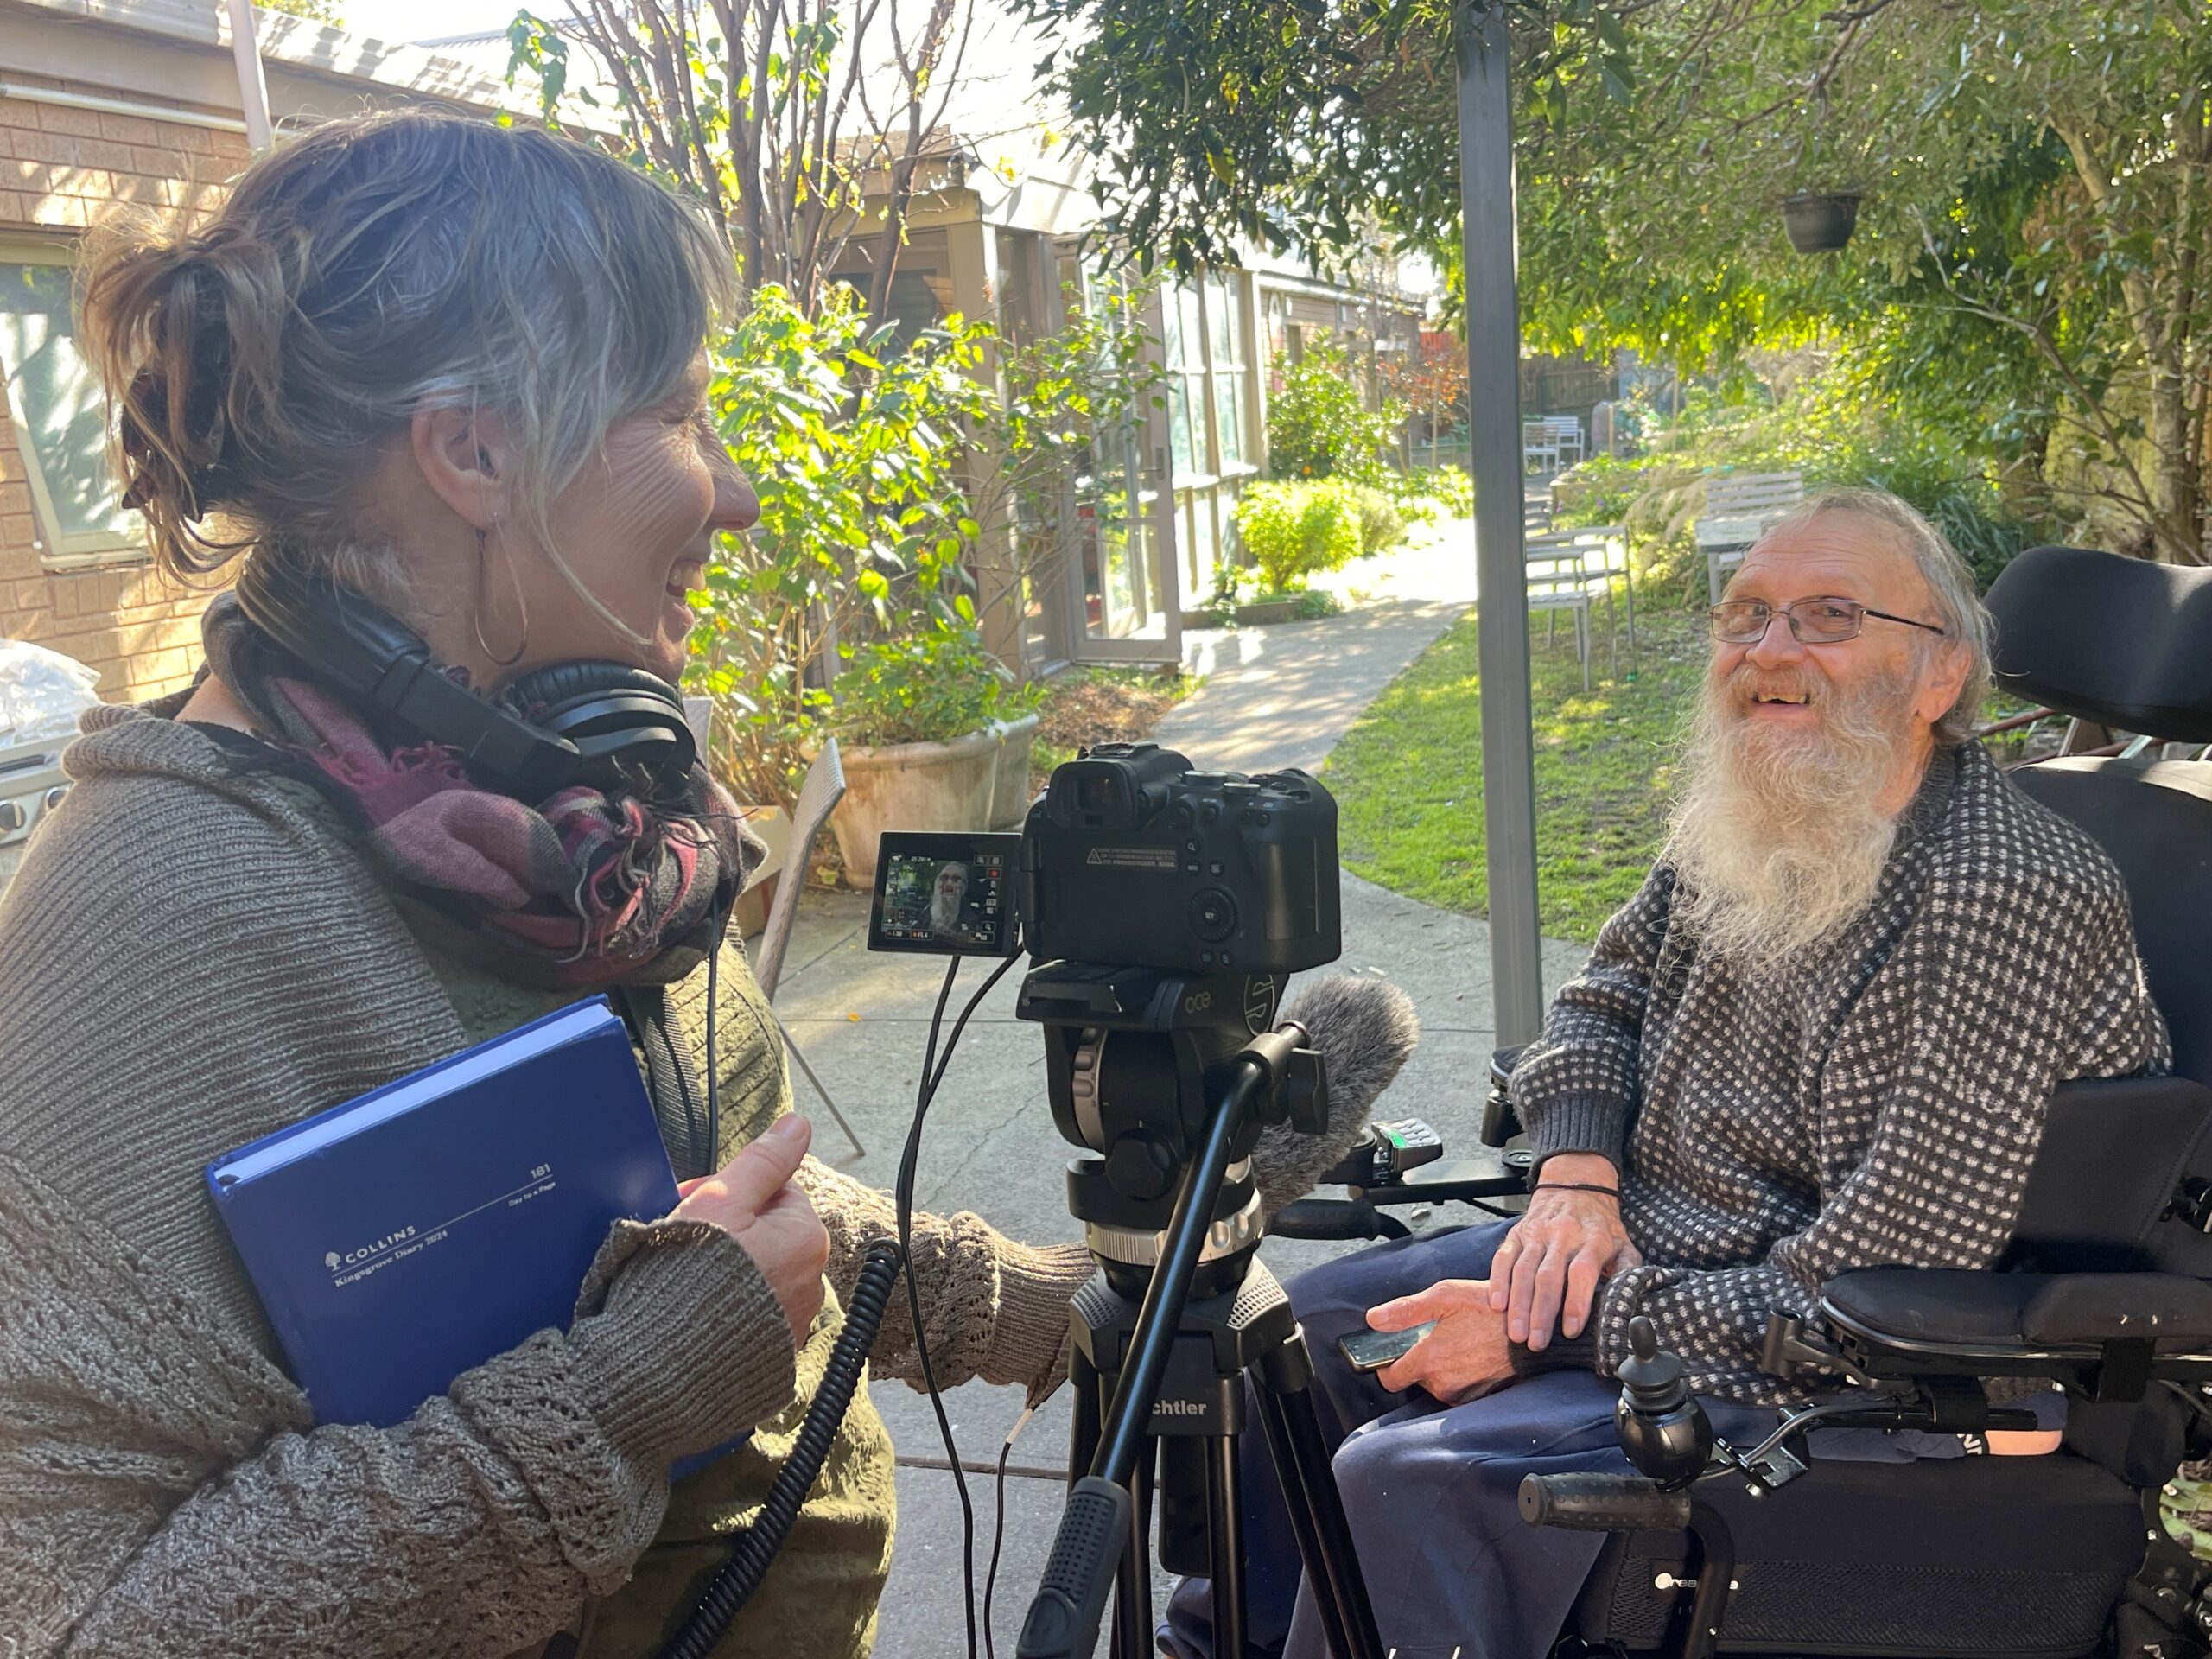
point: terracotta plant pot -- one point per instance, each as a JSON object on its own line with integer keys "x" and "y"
{"x": 941, "y": 787}
{"x": 1010, "y": 795}
{"x": 1820, "y": 222}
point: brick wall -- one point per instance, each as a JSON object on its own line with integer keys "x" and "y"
{"x": 62, "y": 169}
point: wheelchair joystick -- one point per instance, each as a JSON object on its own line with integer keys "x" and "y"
{"x": 1663, "y": 1430}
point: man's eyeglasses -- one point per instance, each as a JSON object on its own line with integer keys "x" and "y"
{"x": 1812, "y": 621}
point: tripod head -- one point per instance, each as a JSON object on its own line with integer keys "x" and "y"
{"x": 1136, "y": 1060}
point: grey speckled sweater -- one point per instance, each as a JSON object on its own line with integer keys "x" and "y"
{"x": 1879, "y": 1106}
{"x": 189, "y": 959}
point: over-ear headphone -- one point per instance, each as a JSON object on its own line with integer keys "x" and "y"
{"x": 582, "y": 722}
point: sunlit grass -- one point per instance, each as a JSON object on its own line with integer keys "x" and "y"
{"x": 1409, "y": 777}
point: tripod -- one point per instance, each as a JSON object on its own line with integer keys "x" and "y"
{"x": 1177, "y": 1317}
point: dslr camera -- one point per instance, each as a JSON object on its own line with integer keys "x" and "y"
{"x": 1130, "y": 859}
{"x": 1134, "y": 859}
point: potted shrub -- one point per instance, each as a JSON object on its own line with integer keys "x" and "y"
{"x": 922, "y": 718}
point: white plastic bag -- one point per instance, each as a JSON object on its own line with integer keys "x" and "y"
{"x": 41, "y": 694}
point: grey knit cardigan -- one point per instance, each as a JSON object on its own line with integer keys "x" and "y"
{"x": 1880, "y": 1105}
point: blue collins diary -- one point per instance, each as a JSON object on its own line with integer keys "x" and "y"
{"x": 402, "y": 1238}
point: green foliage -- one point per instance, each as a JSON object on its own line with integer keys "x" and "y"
{"x": 318, "y": 11}
{"x": 2036, "y": 175}
{"x": 925, "y": 687}
{"x": 855, "y": 450}
{"x": 1451, "y": 487}
{"x": 1215, "y": 120}
{"x": 1834, "y": 428}
{"x": 1295, "y": 530}
{"x": 1319, "y": 426}
{"x": 1380, "y": 525}
{"x": 1598, "y": 490}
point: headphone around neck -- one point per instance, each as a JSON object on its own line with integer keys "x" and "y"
{"x": 600, "y": 723}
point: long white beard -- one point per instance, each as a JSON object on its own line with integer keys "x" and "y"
{"x": 1778, "y": 839}
{"x": 944, "y": 910}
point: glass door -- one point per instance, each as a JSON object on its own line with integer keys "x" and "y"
{"x": 1126, "y": 601}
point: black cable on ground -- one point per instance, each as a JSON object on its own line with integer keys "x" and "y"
{"x": 933, "y": 1070}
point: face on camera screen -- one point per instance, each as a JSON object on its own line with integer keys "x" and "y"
{"x": 955, "y": 902}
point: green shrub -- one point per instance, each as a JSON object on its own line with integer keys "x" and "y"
{"x": 1381, "y": 523}
{"x": 855, "y": 448}
{"x": 1451, "y": 487}
{"x": 1296, "y": 530}
{"x": 926, "y": 687}
{"x": 1598, "y": 491}
{"x": 1319, "y": 426}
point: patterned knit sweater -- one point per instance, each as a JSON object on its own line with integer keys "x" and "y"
{"x": 1878, "y": 1105}
{"x": 189, "y": 959}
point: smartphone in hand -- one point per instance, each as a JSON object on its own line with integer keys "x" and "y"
{"x": 1370, "y": 1350}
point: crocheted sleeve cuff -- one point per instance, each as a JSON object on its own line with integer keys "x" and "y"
{"x": 1579, "y": 1123}
{"x": 1029, "y": 1338}
{"x": 684, "y": 1346}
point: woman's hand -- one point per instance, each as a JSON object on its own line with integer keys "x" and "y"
{"x": 1547, "y": 1271}
{"x": 1465, "y": 1356}
{"x": 752, "y": 1199}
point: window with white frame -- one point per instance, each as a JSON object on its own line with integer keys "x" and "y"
{"x": 58, "y": 415}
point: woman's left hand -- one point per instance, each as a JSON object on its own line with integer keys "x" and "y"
{"x": 1466, "y": 1356}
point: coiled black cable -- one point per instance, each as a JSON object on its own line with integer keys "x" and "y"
{"x": 740, "y": 1574}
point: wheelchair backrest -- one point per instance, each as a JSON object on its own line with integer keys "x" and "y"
{"x": 2127, "y": 645}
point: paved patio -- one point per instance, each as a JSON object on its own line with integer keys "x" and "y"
{"x": 1275, "y": 697}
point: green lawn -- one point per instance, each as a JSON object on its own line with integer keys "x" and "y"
{"x": 1408, "y": 776}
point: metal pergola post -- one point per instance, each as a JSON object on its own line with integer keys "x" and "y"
{"x": 1493, "y": 437}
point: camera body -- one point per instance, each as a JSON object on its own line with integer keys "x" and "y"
{"x": 1130, "y": 857}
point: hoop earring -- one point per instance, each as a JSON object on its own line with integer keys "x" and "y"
{"x": 476, "y": 622}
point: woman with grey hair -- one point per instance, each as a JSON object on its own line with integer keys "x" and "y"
{"x": 455, "y": 371}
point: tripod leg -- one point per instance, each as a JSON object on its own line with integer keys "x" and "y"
{"x": 1317, "y": 1512}
{"x": 1133, "y": 1581}
{"x": 1082, "y": 1436}
{"x": 1225, "y": 1545}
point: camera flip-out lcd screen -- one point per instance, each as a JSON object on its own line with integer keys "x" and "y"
{"x": 946, "y": 894}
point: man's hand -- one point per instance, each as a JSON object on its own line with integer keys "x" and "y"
{"x": 1465, "y": 1356}
{"x": 753, "y": 1199}
{"x": 1547, "y": 1271}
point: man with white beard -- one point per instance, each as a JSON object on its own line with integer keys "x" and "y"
{"x": 949, "y": 893}
{"x": 1821, "y": 1037}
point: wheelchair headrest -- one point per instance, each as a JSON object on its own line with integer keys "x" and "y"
{"x": 2122, "y": 642}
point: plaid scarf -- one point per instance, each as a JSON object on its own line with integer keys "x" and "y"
{"x": 585, "y": 890}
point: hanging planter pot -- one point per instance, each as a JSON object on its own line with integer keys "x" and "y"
{"x": 1820, "y": 221}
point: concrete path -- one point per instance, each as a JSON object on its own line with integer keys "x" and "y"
{"x": 1274, "y": 696}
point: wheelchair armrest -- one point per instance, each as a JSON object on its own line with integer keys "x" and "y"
{"x": 2106, "y": 1334}
{"x": 1500, "y": 1122}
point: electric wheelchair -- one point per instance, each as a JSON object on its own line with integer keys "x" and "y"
{"x": 2105, "y": 1290}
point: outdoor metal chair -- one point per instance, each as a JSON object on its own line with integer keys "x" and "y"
{"x": 1604, "y": 548}
{"x": 1567, "y": 438}
{"x": 818, "y": 798}
{"x": 1738, "y": 508}
{"x": 1539, "y": 447}
{"x": 1558, "y": 581}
